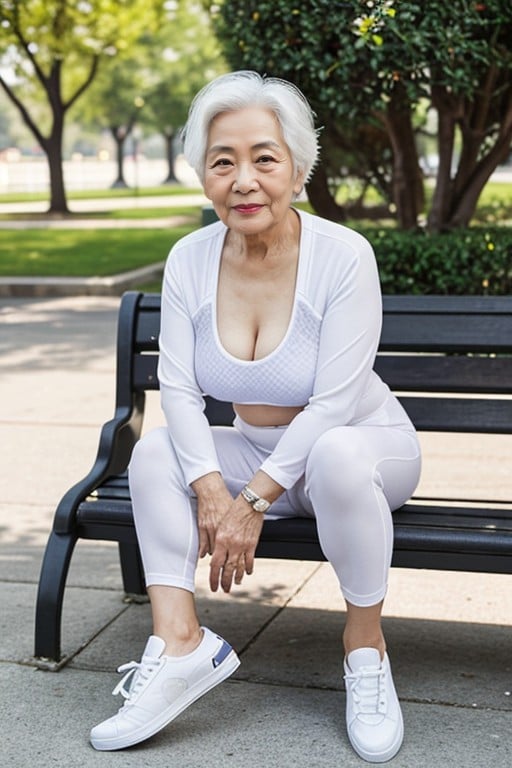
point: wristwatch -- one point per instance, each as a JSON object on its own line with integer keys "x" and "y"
{"x": 256, "y": 502}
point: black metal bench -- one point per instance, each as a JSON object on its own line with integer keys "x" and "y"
{"x": 448, "y": 358}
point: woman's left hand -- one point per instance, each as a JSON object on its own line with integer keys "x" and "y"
{"x": 235, "y": 544}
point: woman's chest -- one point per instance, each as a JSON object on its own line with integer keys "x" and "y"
{"x": 253, "y": 313}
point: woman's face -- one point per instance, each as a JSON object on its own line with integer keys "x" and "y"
{"x": 249, "y": 175}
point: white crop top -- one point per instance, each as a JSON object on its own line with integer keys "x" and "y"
{"x": 324, "y": 362}
{"x": 259, "y": 381}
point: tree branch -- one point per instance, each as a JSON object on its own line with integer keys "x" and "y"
{"x": 24, "y": 113}
{"x": 88, "y": 80}
{"x": 26, "y": 47}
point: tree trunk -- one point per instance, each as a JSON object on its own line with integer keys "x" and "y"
{"x": 58, "y": 200}
{"x": 120, "y": 135}
{"x": 455, "y": 199}
{"x": 321, "y": 198}
{"x": 448, "y": 110}
{"x": 170, "y": 155}
{"x": 478, "y": 160}
{"x": 407, "y": 183}
{"x": 53, "y": 149}
{"x": 463, "y": 208}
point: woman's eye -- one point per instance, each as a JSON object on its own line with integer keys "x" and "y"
{"x": 265, "y": 159}
{"x": 222, "y": 162}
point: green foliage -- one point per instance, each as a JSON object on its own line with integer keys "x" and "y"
{"x": 373, "y": 62}
{"x": 476, "y": 261}
{"x": 184, "y": 55}
{"x": 160, "y": 71}
{"x": 348, "y": 57}
{"x": 35, "y": 34}
{"x": 54, "y": 48}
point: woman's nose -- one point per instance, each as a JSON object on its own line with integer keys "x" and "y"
{"x": 245, "y": 179}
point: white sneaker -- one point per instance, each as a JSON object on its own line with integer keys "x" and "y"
{"x": 374, "y": 719}
{"x": 160, "y": 687}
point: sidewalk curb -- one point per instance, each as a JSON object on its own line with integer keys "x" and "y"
{"x": 113, "y": 285}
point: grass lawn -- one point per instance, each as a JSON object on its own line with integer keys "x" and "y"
{"x": 83, "y": 252}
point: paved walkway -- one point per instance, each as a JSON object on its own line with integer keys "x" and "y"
{"x": 106, "y": 204}
{"x": 449, "y": 634}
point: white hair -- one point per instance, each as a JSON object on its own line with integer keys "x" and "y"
{"x": 239, "y": 90}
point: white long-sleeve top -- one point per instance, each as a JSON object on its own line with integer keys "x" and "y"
{"x": 324, "y": 362}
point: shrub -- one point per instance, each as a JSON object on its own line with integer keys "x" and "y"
{"x": 475, "y": 261}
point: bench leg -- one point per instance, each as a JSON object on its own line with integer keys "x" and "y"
{"x": 131, "y": 568}
{"x": 50, "y": 596}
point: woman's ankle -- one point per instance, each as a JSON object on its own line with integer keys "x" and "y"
{"x": 180, "y": 644}
{"x": 352, "y": 642}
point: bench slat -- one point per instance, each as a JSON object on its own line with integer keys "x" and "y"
{"x": 414, "y": 530}
{"x": 420, "y": 323}
{"x": 454, "y": 414}
{"x": 446, "y": 373}
{"x": 447, "y": 333}
{"x": 411, "y": 373}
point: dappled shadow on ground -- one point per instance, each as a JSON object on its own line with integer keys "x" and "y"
{"x": 45, "y": 334}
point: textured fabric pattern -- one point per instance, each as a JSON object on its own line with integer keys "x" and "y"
{"x": 285, "y": 377}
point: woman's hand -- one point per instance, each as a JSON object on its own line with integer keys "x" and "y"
{"x": 235, "y": 544}
{"x": 213, "y": 501}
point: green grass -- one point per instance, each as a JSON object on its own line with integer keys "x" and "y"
{"x": 79, "y": 252}
{"x": 100, "y": 194}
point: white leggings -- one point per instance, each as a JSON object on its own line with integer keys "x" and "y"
{"x": 354, "y": 477}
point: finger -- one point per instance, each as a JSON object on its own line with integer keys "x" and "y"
{"x": 240, "y": 571}
{"x": 214, "y": 576}
{"x": 203, "y": 542}
{"x": 249, "y": 563}
{"x": 228, "y": 572}
{"x": 216, "y": 565}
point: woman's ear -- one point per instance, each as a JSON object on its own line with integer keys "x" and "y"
{"x": 299, "y": 182}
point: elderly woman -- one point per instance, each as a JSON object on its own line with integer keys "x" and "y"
{"x": 279, "y": 312}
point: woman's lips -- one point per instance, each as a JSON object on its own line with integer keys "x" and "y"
{"x": 249, "y": 208}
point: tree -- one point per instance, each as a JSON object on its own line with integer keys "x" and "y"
{"x": 54, "y": 48}
{"x": 373, "y": 62}
{"x": 117, "y": 99}
{"x": 184, "y": 55}
{"x": 154, "y": 81}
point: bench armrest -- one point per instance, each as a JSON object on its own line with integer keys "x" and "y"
{"x": 117, "y": 440}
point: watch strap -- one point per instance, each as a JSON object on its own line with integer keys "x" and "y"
{"x": 257, "y": 502}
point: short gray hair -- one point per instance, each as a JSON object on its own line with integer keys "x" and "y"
{"x": 239, "y": 90}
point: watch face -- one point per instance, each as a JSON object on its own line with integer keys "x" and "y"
{"x": 261, "y": 505}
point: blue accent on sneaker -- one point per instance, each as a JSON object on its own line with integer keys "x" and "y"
{"x": 224, "y": 651}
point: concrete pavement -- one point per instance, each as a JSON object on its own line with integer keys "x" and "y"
{"x": 449, "y": 635}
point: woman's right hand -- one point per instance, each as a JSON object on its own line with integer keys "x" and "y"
{"x": 213, "y": 501}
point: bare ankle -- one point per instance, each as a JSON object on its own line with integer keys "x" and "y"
{"x": 179, "y": 642}
{"x": 182, "y": 646}
{"x": 353, "y": 642}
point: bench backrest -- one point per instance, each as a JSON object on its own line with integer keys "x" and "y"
{"x": 449, "y": 359}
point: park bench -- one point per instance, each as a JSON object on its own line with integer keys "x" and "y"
{"x": 448, "y": 358}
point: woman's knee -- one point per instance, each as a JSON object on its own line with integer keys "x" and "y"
{"x": 339, "y": 463}
{"x": 153, "y": 458}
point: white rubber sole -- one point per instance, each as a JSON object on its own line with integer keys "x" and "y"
{"x": 381, "y": 757}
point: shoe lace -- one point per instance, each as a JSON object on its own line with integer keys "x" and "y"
{"x": 136, "y": 677}
{"x": 368, "y": 690}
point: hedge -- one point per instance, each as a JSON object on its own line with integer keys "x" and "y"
{"x": 475, "y": 261}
